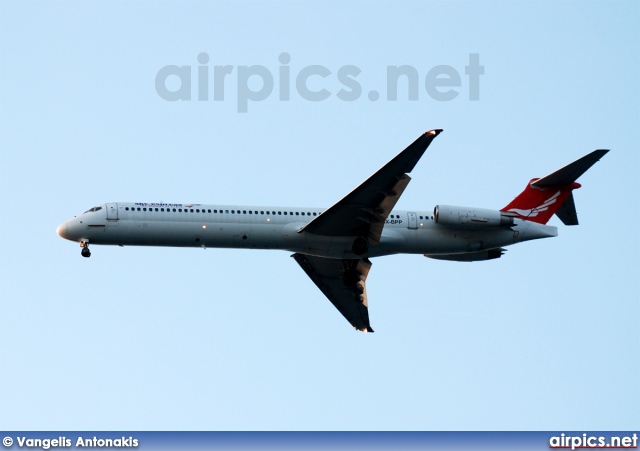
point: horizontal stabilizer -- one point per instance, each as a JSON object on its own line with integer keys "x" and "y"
{"x": 567, "y": 212}
{"x": 570, "y": 173}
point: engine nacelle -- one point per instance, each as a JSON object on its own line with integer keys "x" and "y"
{"x": 471, "y": 217}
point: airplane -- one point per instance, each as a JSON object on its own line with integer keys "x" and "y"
{"x": 334, "y": 246}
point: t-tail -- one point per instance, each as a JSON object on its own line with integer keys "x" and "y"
{"x": 553, "y": 193}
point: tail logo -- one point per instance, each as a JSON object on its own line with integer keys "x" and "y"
{"x": 532, "y": 212}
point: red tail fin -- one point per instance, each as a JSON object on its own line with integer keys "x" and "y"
{"x": 552, "y": 193}
{"x": 538, "y": 204}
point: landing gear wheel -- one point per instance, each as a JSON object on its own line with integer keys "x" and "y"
{"x": 85, "y": 252}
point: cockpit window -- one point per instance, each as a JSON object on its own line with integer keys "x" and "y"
{"x": 93, "y": 209}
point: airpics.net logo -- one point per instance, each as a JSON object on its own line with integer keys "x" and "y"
{"x": 590, "y": 441}
{"x": 313, "y": 83}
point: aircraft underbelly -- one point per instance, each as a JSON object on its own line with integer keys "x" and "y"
{"x": 441, "y": 240}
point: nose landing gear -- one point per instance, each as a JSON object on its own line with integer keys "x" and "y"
{"x": 85, "y": 252}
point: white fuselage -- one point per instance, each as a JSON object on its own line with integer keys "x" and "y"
{"x": 251, "y": 227}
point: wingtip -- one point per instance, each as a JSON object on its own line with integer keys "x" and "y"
{"x": 434, "y": 132}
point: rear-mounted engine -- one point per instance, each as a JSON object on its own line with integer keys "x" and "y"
{"x": 471, "y": 217}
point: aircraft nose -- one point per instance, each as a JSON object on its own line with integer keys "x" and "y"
{"x": 62, "y": 231}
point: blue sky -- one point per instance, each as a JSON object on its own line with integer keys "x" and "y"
{"x": 185, "y": 339}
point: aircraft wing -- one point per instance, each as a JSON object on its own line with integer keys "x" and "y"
{"x": 363, "y": 211}
{"x": 343, "y": 282}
